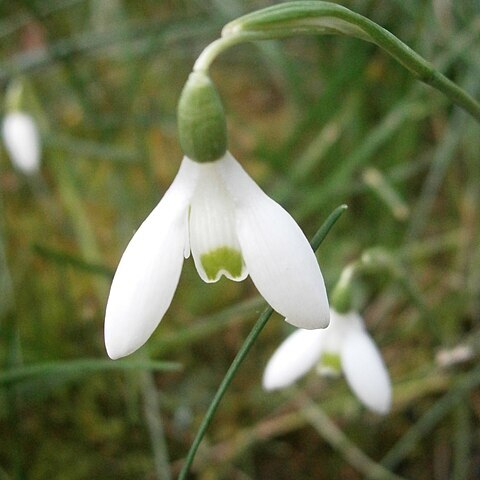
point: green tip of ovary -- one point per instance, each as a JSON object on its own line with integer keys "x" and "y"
{"x": 222, "y": 259}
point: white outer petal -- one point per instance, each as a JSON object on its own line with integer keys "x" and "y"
{"x": 22, "y": 141}
{"x": 279, "y": 258}
{"x": 293, "y": 358}
{"x": 149, "y": 270}
{"x": 365, "y": 371}
{"x": 212, "y": 221}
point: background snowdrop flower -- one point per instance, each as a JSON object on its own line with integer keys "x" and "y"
{"x": 214, "y": 210}
{"x": 345, "y": 345}
{"x": 22, "y": 141}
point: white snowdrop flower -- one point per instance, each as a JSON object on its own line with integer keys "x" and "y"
{"x": 22, "y": 141}
{"x": 218, "y": 213}
{"x": 344, "y": 345}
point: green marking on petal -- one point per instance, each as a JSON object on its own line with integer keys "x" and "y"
{"x": 330, "y": 363}
{"x": 223, "y": 258}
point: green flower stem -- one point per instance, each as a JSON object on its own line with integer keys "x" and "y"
{"x": 247, "y": 345}
{"x": 218, "y": 46}
{"x": 316, "y": 17}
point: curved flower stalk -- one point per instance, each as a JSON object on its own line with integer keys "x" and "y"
{"x": 315, "y": 17}
{"x": 215, "y": 211}
{"x": 22, "y": 141}
{"x": 344, "y": 346}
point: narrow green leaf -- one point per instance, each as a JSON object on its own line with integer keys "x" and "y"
{"x": 81, "y": 366}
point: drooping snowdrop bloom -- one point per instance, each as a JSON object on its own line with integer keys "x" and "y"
{"x": 22, "y": 141}
{"x": 344, "y": 345}
{"x": 216, "y": 212}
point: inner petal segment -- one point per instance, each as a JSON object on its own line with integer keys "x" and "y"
{"x": 213, "y": 240}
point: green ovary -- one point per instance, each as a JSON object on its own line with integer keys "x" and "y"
{"x": 223, "y": 258}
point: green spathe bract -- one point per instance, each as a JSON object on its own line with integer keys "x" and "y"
{"x": 342, "y": 295}
{"x": 223, "y": 258}
{"x": 201, "y": 120}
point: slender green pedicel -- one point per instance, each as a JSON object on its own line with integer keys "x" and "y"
{"x": 317, "y": 17}
{"x": 201, "y": 120}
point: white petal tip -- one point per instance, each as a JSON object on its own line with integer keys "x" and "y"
{"x": 382, "y": 403}
{"x": 272, "y": 381}
{"x": 119, "y": 347}
{"x": 322, "y": 320}
{"x": 114, "y": 355}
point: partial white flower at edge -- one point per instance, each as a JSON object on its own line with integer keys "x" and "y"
{"x": 22, "y": 141}
{"x": 218, "y": 213}
{"x": 346, "y": 339}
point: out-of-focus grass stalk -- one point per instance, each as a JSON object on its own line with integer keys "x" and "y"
{"x": 340, "y": 442}
{"x": 13, "y": 357}
{"x": 79, "y": 367}
{"x": 6, "y": 288}
{"x": 64, "y": 258}
{"x": 88, "y": 43}
{"x": 315, "y": 151}
{"x": 88, "y": 148}
{"x": 416, "y": 251}
{"x": 73, "y": 203}
{"x": 414, "y": 294}
{"x": 445, "y": 153}
{"x": 326, "y": 138}
{"x": 14, "y": 360}
{"x": 471, "y": 252}
{"x": 461, "y": 442}
{"x": 245, "y": 348}
{"x": 340, "y": 180}
{"x": 153, "y": 418}
{"x": 429, "y": 420}
{"x": 386, "y": 193}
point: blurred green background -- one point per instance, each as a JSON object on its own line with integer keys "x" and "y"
{"x": 317, "y": 121}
